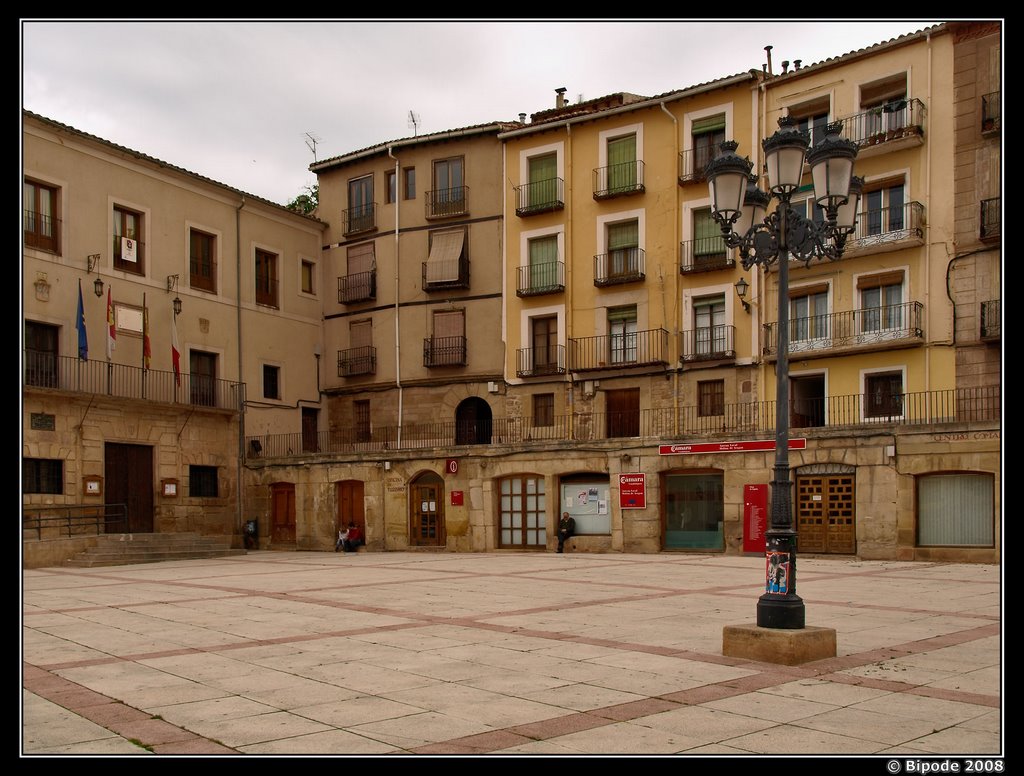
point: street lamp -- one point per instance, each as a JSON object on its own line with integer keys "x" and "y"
{"x": 739, "y": 207}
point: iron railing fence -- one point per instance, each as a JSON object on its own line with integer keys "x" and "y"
{"x": 534, "y": 362}
{"x": 361, "y": 218}
{"x": 693, "y": 162}
{"x": 358, "y": 287}
{"x": 441, "y": 203}
{"x": 442, "y": 274}
{"x": 899, "y": 118}
{"x": 623, "y": 265}
{"x": 991, "y": 318}
{"x": 991, "y": 220}
{"x": 886, "y": 226}
{"x": 991, "y": 112}
{"x": 42, "y": 231}
{"x": 540, "y": 197}
{"x": 663, "y": 424}
{"x": 705, "y": 254}
{"x": 538, "y": 279}
{"x": 614, "y": 351}
{"x": 67, "y": 373}
{"x": 444, "y": 351}
{"x": 202, "y": 274}
{"x": 709, "y": 343}
{"x": 357, "y": 361}
{"x": 618, "y": 179}
{"x": 849, "y": 327}
{"x": 52, "y": 521}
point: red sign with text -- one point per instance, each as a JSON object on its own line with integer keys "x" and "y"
{"x": 760, "y": 445}
{"x": 633, "y": 491}
{"x": 456, "y": 498}
{"x": 755, "y": 517}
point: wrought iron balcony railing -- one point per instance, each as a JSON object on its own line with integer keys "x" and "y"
{"x": 357, "y": 361}
{"x": 540, "y": 197}
{"x": 537, "y": 362}
{"x": 705, "y": 254}
{"x": 624, "y": 265}
{"x": 709, "y": 343}
{"x": 42, "y": 231}
{"x": 887, "y": 228}
{"x": 991, "y": 113}
{"x": 991, "y": 319}
{"x": 660, "y": 425}
{"x": 538, "y": 279}
{"x": 618, "y": 180}
{"x": 362, "y": 218}
{"x": 444, "y": 203}
{"x": 991, "y": 219}
{"x": 850, "y": 328}
{"x": 444, "y": 351}
{"x": 617, "y": 351}
{"x": 442, "y": 275}
{"x": 693, "y": 162}
{"x": 359, "y": 287}
{"x": 67, "y": 373}
{"x": 895, "y": 120}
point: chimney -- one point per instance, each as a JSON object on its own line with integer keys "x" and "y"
{"x": 785, "y": 66}
{"x": 560, "y": 97}
{"x": 768, "y": 51}
{"x": 796, "y": 64}
{"x": 522, "y": 118}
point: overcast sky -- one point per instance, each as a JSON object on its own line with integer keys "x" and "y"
{"x": 234, "y": 100}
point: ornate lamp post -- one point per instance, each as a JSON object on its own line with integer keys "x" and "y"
{"x": 739, "y": 207}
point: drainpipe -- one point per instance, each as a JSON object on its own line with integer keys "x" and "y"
{"x": 678, "y": 279}
{"x": 398, "y": 338}
{"x": 928, "y": 242}
{"x": 239, "y": 491}
{"x": 568, "y": 271}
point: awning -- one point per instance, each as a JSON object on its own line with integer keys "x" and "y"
{"x": 445, "y": 251}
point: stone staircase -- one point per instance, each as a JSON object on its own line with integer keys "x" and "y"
{"x": 122, "y": 549}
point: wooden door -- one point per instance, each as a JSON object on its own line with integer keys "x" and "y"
{"x": 282, "y": 514}
{"x": 349, "y": 496}
{"x": 623, "y": 412}
{"x": 825, "y": 514}
{"x": 310, "y": 421}
{"x": 426, "y": 512}
{"x": 128, "y": 474}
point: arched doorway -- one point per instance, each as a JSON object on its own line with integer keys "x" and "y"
{"x": 473, "y": 422}
{"x": 426, "y": 511}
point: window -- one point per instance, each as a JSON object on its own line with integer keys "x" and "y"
{"x": 883, "y": 395}
{"x": 410, "y": 182}
{"x": 710, "y": 398}
{"x": 128, "y": 245}
{"x": 203, "y": 369}
{"x": 543, "y": 188}
{"x": 449, "y": 194}
{"x": 392, "y": 186}
{"x": 808, "y": 313}
{"x": 447, "y": 346}
{"x": 202, "y": 260}
{"x": 885, "y": 106}
{"x": 360, "y": 283}
{"x": 543, "y": 262}
{"x": 360, "y": 205}
{"x": 202, "y": 481}
{"x": 883, "y": 206}
{"x": 543, "y": 409}
{"x": 955, "y": 510}
{"x": 42, "y": 226}
{"x": 694, "y": 511}
{"x": 41, "y": 353}
{"x": 42, "y": 475}
{"x": 622, "y": 334}
{"x": 306, "y": 273}
{"x": 523, "y": 511}
{"x": 545, "y": 344}
{"x": 271, "y": 382}
{"x": 623, "y": 249}
{"x": 708, "y": 135}
{"x": 361, "y": 419}
{"x": 266, "y": 278}
{"x": 709, "y": 325}
{"x": 708, "y": 241}
{"x": 622, "y": 164}
{"x": 881, "y": 302}
{"x": 447, "y": 264}
{"x": 812, "y": 117}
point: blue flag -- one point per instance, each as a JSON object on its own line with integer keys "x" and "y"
{"x": 83, "y": 340}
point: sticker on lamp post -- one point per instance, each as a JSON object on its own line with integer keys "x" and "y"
{"x": 777, "y": 573}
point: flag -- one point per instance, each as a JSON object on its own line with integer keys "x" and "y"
{"x": 147, "y": 352}
{"x": 175, "y": 350}
{"x": 83, "y": 340}
{"x": 111, "y": 327}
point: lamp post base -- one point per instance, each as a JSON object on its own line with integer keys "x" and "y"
{"x": 783, "y": 647}
{"x": 780, "y": 611}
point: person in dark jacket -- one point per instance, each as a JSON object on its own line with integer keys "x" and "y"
{"x": 566, "y": 528}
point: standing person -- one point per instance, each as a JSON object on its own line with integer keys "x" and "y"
{"x": 566, "y": 528}
{"x": 353, "y": 539}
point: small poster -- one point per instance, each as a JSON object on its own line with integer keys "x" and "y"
{"x": 602, "y": 507}
{"x": 777, "y": 575}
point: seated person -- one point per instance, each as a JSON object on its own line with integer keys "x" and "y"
{"x": 352, "y": 539}
{"x": 342, "y": 537}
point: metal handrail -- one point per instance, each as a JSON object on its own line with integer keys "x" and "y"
{"x": 73, "y": 519}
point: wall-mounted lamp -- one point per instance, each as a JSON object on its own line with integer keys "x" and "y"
{"x": 741, "y": 291}
{"x": 172, "y": 284}
{"x": 92, "y": 261}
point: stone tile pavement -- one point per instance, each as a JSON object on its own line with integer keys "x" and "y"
{"x": 503, "y": 654}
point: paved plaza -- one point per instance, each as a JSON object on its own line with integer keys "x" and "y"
{"x": 503, "y": 654}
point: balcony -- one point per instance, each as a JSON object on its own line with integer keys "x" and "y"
{"x": 711, "y": 343}
{"x": 42, "y": 231}
{"x": 991, "y": 219}
{"x": 357, "y": 361}
{"x": 873, "y": 328}
{"x": 659, "y": 424}
{"x": 362, "y": 218}
{"x": 692, "y": 164}
{"x": 539, "y": 279}
{"x": 899, "y": 124}
{"x": 539, "y": 362}
{"x": 449, "y": 273}
{"x": 444, "y": 351}
{"x": 625, "y": 265}
{"x": 619, "y": 180}
{"x": 619, "y": 351}
{"x": 445, "y": 203}
{"x": 887, "y": 229}
{"x": 359, "y": 287}
{"x": 101, "y": 378}
{"x": 705, "y": 254}
{"x": 991, "y": 114}
{"x": 991, "y": 319}
{"x": 540, "y": 197}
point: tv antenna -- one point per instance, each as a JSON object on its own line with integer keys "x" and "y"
{"x": 414, "y": 122}
{"x": 311, "y": 141}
